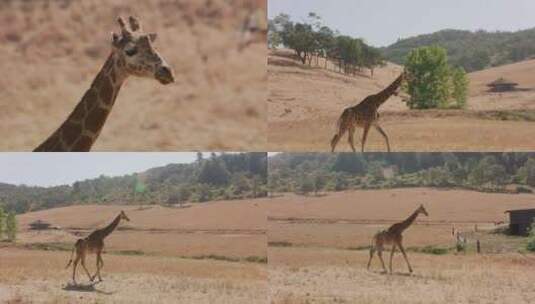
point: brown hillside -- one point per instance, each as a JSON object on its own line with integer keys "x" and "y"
{"x": 201, "y": 229}
{"x": 521, "y": 72}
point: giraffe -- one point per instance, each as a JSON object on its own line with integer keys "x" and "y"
{"x": 365, "y": 115}
{"x": 93, "y": 243}
{"x": 132, "y": 54}
{"x": 393, "y": 236}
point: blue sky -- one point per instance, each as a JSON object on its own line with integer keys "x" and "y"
{"x": 49, "y": 169}
{"x": 382, "y": 22}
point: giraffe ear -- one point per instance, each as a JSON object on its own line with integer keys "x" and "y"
{"x": 152, "y": 37}
{"x": 115, "y": 39}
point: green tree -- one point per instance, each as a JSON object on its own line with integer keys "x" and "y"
{"x": 319, "y": 182}
{"x": 438, "y": 177}
{"x": 214, "y": 172}
{"x": 306, "y": 185}
{"x": 350, "y": 163}
{"x": 459, "y": 87}
{"x": 375, "y": 171}
{"x": 2, "y": 222}
{"x": 325, "y": 38}
{"x": 274, "y": 38}
{"x": 11, "y": 226}
{"x": 526, "y": 174}
{"x": 429, "y": 78}
{"x": 372, "y": 58}
{"x": 531, "y": 241}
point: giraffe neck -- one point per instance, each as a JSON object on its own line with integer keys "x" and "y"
{"x": 383, "y": 96}
{"x": 406, "y": 223}
{"x": 109, "y": 229}
{"x": 81, "y": 129}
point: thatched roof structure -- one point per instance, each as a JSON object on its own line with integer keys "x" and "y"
{"x": 502, "y": 85}
{"x": 39, "y": 225}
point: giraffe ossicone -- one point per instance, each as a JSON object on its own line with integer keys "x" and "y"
{"x": 132, "y": 54}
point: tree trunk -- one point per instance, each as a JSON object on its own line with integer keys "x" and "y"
{"x": 302, "y": 57}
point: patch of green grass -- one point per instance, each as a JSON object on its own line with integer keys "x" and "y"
{"x": 430, "y": 250}
{"x": 256, "y": 259}
{"x": 358, "y": 248}
{"x": 531, "y": 245}
{"x": 129, "y": 252}
{"x": 250, "y": 259}
{"x": 512, "y": 115}
{"x": 49, "y": 246}
{"x": 213, "y": 257}
{"x": 280, "y": 244}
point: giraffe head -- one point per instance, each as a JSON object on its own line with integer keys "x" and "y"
{"x": 135, "y": 54}
{"x": 123, "y": 216}
{"x": 422, "y": 210}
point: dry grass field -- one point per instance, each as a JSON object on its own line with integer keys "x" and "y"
{"x": 305, "y": 102}
{"x": 31, "y": 276}
{"x": 335, "y": 276}
{"x": 52, "y": 50}
{"x": 318, "y": 248}
{"x": 196, "y": 254}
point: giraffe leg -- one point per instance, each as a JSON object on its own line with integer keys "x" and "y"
{"x": 372, "y": 251}
{"x": 350, "y": 138}
{"x": 336, "y": 138}
{"x": 380, "y": 130}
{"x": 83, "y": 265}
{"x": 380, "y": 255}
{"x": 100, "y": 263}
{"x": 392, "y": 256}
{"x": 97, "y": 268}
{"x": 405, "y": 256}
{"x": 93, "y": 276}
{"x": 75, "y": 263}
{"x": 365, "y": 135}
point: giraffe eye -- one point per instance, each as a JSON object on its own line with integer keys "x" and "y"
{"x": 131, "y": 52}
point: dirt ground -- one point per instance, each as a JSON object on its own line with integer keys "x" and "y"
{"x": 303, "y": 275}
{"x": 318, "y": 248}
{"x": 304, "y": 104}
{"x": 52, "y": 50}
{"x": 34, "y": 276}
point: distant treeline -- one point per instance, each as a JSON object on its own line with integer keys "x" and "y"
{"x": 225, "y": 176}
{"x": 314, "y": 172}
{"x": 472, "y": 51}
{"x": 312, "y": 40}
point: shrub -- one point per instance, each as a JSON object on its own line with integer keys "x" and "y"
{"x": 531, "y": 242}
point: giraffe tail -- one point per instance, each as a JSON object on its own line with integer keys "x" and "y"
{"x": 72, "y": 252}
{"x": 343, "y": 120}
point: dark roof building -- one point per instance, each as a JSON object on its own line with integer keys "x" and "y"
{"x": 39, "y": 225}
{"x": 520, "y": 221}
{"x": 502, "y": 85}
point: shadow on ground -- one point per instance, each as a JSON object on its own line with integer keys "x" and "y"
{"x": 89, "y": 287}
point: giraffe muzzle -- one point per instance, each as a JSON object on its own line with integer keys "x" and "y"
{"x": 165, "y": 75}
